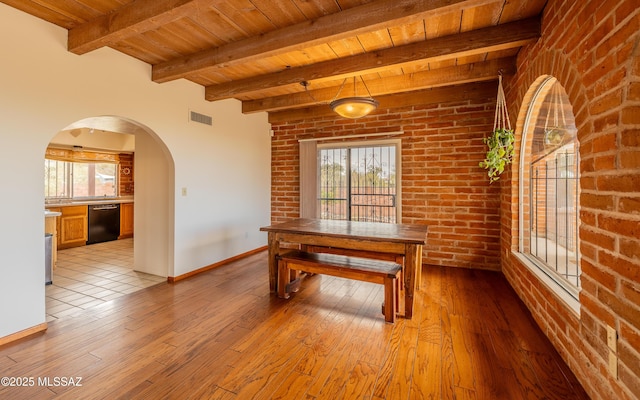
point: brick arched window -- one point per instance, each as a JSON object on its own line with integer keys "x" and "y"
{"x": 549, "y": 189}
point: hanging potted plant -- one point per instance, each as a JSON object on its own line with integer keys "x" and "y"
{"x": 499, "y": 154}
{"x": 500, "y": 142}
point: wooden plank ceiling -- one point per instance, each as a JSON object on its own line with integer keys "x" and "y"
{"x": 260, "y": 51}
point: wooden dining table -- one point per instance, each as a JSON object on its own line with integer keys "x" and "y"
{"x": 398, "y": 242}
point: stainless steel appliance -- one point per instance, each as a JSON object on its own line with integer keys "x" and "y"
{"x": 48, "y": 258}
{"x": 104, "y": 223}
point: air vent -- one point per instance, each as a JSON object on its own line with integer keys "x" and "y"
{"x": 200, "y": 118}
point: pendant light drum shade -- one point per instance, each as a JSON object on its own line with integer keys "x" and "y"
{"x": 354, "y": 107}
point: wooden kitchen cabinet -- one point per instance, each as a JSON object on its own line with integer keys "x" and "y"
{"x": 126, "y": 220}
{"x": 72, "y": 226}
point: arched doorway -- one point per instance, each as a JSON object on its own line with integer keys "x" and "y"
{"x": 151, "y": 186}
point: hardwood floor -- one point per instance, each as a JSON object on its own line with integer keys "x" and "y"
{"x": 221, "y": 335}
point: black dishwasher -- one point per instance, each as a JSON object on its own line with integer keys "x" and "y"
{"x": 104, "y": 223}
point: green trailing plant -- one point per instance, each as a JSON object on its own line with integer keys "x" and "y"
{"x": 500, "y": 152}
{"x": 500, "y": 142}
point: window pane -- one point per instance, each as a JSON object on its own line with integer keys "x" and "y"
{"x": 373, "y": 191}
{"x": 80, "y": 180}
{"x": 56, "y": 179}
{"x": 105, "y": 180}
{"x": 554, "y": 224}
{"x": 333, "y": 184}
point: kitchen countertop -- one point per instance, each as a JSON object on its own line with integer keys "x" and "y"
{"x": 68, "y": 203}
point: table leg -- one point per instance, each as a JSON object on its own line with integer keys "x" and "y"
{"x": 419, "y": 266}
{"x": 274, "y": 249}
{"x": 410, "y": 278}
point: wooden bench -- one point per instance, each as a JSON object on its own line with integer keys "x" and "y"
{"x": 386, "y": 273}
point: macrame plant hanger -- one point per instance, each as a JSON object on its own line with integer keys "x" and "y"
{"x": 501, "y": 119}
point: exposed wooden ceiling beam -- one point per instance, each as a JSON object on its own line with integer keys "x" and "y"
{"x": 461, "y": 74}
{"x": 132, "y": 19}
{"x": 500, "y": 37}
{"x": 484, "y": 90}
{"x": 349, "y": 23}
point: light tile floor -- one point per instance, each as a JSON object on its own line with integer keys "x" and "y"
{"x": 91, "y": 275}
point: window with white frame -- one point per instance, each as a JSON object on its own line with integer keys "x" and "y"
{"x": 67, "y": 179}
{"x": 549, "y": 188}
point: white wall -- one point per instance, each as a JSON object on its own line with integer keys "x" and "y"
{"x": 225, "y": 169}
{"x": 153, "y": 208}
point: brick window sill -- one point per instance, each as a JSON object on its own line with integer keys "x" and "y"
{"x": 570, "y": 300}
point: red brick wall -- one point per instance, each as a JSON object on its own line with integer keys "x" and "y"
{"x": 593, "y": 49}
{"x": 126, "y": 180}
{"x": 442, "y": 184}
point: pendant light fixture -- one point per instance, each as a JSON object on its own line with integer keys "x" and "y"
{"x": 356, "y": 106}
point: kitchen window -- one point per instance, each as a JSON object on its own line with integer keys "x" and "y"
{"x": 72, "y": 179}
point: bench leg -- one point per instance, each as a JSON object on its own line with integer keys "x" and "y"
{"x": 390, "y": 303}
{"x": 295, "y": 276}
{"x": 283, "y": 279}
